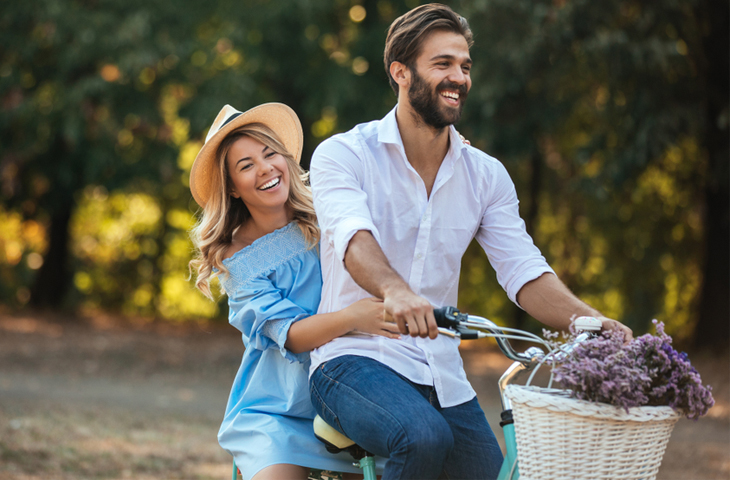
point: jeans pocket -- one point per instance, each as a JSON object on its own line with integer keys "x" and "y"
{"x": 330, "y": 367}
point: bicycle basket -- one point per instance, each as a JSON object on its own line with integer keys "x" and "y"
{"x": 564, "y": 438}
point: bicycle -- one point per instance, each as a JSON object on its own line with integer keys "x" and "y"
{"x": 453, "y": 323}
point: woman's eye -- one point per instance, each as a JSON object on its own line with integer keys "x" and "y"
{"x": 271, "y": 154}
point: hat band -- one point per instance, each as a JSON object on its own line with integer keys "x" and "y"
{"x": 230, "y": 119}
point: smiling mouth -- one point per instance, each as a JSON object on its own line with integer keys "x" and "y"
{"x": 454, "y": 96}
{"x": 270, "y": 184}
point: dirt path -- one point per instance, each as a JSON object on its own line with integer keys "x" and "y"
{"x": 104, "y": 398}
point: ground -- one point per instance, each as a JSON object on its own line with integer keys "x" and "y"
{"x": 101, "y": 397}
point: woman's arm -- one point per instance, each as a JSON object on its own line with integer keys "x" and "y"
{"x": 364, "y": 316}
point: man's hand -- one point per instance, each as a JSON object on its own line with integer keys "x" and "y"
{"x": 412, "y": 314}
{"x": 610, "y": 324}
{"x": 548, "y": 300}
{"x": 368, "y": 266}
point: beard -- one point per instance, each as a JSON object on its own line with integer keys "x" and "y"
{"x": 425, "y": 101}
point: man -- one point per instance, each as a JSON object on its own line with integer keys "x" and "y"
{"x": 398, "y": 201}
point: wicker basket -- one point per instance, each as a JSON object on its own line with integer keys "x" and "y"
{"x": 564, "y": 438}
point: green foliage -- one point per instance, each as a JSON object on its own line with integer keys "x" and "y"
{"x": 595, "y": 108}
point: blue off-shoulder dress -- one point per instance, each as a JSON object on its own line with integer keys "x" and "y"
{"x": 273, "y": 283}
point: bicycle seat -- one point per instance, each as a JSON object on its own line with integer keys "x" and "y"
{"x": 328, "y": 435}
{"x": 335, "y": 442}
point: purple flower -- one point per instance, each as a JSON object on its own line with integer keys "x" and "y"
{"x": 645, "y": 371}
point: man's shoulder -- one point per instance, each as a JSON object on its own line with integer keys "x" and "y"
{"x": 348, "y": 147}
{"x": 359, "y": 133}
{"x": 477, "y": 159}
{"x": 487, "y": 172}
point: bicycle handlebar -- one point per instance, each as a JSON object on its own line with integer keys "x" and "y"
{"x": 452, "y": 318}
{"x": 453, "y": 323}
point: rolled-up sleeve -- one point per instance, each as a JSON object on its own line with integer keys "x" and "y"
{"x": 503, "y": 236}
{"x": 264, "y": 316}
{"x": 339, "y": 199}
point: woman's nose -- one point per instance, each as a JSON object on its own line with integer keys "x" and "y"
{"x": 265, "y": 168}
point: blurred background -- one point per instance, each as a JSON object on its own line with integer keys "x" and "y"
{"x": 611, "y": 117}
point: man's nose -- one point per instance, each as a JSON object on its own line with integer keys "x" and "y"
{"x": 457, "y": 75}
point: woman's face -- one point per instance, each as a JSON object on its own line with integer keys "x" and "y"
{"x": 259, "y": 175}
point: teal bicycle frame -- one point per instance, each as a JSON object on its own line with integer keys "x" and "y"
{"x": 509, "y": 465}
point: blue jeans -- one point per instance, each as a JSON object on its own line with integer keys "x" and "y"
{"x": 392, "y": 417}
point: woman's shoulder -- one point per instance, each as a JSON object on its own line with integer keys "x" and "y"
{"x": 265, "y": 255}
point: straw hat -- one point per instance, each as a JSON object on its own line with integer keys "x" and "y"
{"x": 276, "y": 116}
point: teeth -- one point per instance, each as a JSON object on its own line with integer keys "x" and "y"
{"x": 269, "y": 184}
{"x": 453, "y": 95}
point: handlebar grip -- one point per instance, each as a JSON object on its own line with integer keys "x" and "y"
{"x": 447, "y": 317}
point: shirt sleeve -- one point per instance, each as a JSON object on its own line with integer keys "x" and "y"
{"x": 336, "y": 174}
{"x": 504, "y": 238}
{"x": 264, "y": 316}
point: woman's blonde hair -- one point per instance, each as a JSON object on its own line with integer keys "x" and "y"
{"x": 222, "y": 213}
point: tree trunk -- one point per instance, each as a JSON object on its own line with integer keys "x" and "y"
{"x": 51, "y": 284}
{"x": 713, "y": 327}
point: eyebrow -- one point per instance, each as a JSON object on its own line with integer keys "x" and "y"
{"x": 266, "y": 147}
{"x": 450, "y": 57}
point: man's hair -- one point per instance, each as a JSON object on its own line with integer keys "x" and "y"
{"x": 407, "y": 33}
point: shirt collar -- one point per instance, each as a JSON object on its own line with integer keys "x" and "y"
{"x": 388, "y": 132}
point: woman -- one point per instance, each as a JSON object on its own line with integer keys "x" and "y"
{"x": 258, "y": 231}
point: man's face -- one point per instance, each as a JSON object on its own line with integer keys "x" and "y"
{"x": 440, "y": 80}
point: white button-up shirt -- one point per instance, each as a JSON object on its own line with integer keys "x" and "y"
{"x": 362, "y": 180}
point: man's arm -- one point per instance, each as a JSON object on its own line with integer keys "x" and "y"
{"x": 369, "y": 267}
{"x": 548, "y": 300}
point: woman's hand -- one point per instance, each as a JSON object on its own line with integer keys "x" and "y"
{"x": 463, "y": 139}
{"x": 367, "y": 317}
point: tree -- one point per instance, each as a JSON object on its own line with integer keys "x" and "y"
{"x": 81, "y": 107}
{"x": 713, "y": 328}
{"x": 597, "y": 111}
{"x": 602, "y": 112}
{"x": 117, "y": 95}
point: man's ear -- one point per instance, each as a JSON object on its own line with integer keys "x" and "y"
{"x": 401, "y": 74}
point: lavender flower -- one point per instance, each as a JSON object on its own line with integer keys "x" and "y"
{"x": 646, "y": 371}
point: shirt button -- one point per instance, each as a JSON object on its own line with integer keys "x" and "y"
{"x": 419, "y": 256}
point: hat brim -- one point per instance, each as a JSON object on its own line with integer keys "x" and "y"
{"x": 277, "y": 116}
